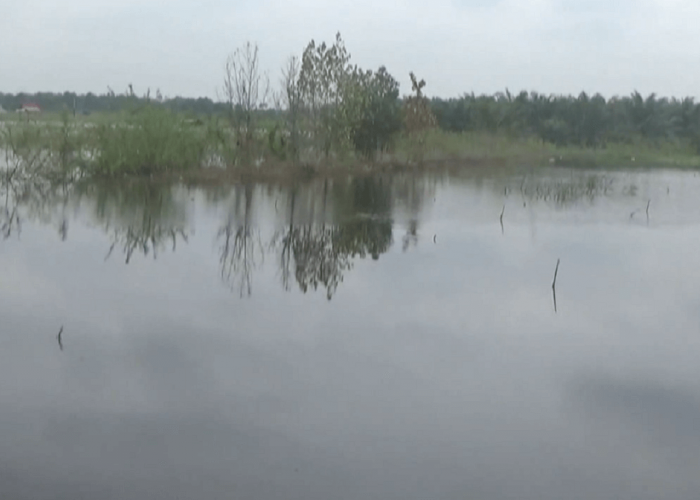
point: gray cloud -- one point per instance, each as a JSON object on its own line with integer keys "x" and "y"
{"x": 560, "y": 46}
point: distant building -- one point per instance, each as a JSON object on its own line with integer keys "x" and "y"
{"x": 2, "y": 110}
{"x": 29, "y": 107}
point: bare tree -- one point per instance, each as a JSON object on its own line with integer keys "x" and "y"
{"x": 246, "y": 90}
{"x": 418, "y": 118}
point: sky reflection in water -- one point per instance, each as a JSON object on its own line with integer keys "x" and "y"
{"x": 378, "y": 338}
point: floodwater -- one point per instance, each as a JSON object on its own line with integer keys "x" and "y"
{"x": 379, "y": 338}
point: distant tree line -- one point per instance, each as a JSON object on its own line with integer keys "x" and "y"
{"x": 588, "y": 121}
{"x": 108, "y": 102}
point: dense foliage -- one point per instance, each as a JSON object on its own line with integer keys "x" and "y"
{"x": 378, "y": 111}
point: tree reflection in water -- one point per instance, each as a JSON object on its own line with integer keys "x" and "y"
{"x": 140, "y": 217}
{"x": 322, "y": 227}
{"x": 34, "y": 198}
{"x": 241, "y": 244}
{"x": 319, "y": 253}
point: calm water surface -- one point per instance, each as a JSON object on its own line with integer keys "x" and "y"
{"x": 388, "y": 338}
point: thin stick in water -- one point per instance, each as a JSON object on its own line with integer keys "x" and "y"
{"x": 501, "y": 218}
{"x": 648, "y": 203}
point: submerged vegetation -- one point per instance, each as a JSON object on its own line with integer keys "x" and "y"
{"x": 330, "y": 114}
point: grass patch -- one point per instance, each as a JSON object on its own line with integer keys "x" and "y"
{"x": 499, "y": 148}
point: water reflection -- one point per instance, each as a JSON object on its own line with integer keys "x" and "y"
{"x": 667, "y": 414}
{"x": 319, "y": 228}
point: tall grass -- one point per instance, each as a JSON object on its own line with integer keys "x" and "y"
{"x": 150, "y": 140}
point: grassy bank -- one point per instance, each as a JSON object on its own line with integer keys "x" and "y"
{"x": 158, "y": 143}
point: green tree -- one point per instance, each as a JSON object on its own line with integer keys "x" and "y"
{"x": 323, "y": 78}
{"x": 376, "y": 111}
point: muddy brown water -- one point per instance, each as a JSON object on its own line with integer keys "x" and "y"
{"x": 378, "y": 338}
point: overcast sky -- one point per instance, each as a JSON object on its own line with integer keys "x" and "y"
{"x": 458, "y": 46}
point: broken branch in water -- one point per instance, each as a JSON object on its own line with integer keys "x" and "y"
{"x": 648, "y": 203}
{"x": 554, "y": 287}
{"x": 556, "y": 270}
{"x": 501, "y": 218}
